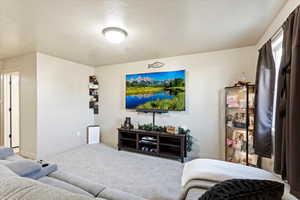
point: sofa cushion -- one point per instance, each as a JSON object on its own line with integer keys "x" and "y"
{"x": 90, "y": 187}
{"x": 18, "y": 188}
{"x": 6, "y": 172}
{"x": 95, "y": 189}
{"x": 63, "y": 185}
{"x": 245, "y": 189}
{"x": 114, "y": 194}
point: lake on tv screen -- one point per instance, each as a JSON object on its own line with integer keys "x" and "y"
{"x": 159, "y": 90}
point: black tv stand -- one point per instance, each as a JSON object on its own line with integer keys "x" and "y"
{"x": 160, "y": 143}
{"x": 153, "y": 113}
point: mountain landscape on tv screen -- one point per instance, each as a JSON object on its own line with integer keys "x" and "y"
{"x": 156, "y": 91}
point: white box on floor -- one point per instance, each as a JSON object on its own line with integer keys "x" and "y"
{"x": 93, "y": 134}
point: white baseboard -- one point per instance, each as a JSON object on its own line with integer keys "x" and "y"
{"x": 28, "y": 154}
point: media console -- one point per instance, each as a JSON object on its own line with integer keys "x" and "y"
{"x": 152, "y": 143}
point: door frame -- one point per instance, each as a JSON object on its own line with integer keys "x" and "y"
{"x": 1, "y": 109}
{"x": 2, "y": 74}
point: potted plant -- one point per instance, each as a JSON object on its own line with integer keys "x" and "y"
{"x": 189, "y": 138}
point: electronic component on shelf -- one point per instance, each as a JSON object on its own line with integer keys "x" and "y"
{"x": 146, "y": 138}
{"x": 147, "y": 142}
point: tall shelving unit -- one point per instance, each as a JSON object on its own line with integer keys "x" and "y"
{"x": 240, "y": 112}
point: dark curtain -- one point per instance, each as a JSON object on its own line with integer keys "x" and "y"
{"x": 265, "y": 83}
{"x": 287, "y": 135}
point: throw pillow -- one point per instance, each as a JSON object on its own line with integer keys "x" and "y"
{"x": 245, "y": 189}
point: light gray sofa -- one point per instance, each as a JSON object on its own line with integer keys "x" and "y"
{"x": 56, "y": 185}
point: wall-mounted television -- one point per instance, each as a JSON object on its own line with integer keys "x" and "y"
{"x": 160, "y": 91}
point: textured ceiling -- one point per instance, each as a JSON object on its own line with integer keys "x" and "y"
{"x": 71, "y": 29}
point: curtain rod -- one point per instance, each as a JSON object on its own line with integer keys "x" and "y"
{"x": 276, "y": 34}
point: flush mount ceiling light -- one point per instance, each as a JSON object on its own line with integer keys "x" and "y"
{"x": 114, "y": 34}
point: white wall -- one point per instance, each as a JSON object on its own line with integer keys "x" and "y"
{"x": 207, "y": 75}
{"x": 26, "y": 65}
{"x": 54, "y": 106}
{"x": 62, "y": 104}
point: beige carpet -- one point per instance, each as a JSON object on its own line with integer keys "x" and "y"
{"x": 150, "y": 177}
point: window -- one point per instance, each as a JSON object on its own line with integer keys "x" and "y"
{"x": 277, "y": 53}
{"x": 277, "y": 49}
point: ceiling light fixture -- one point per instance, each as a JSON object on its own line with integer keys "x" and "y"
{"x": 114, "y": 34}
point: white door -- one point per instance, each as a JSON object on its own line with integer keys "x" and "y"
{"x": 11, "y": 110}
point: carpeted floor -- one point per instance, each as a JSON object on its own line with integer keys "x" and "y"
{"x": 150, "y": 177}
